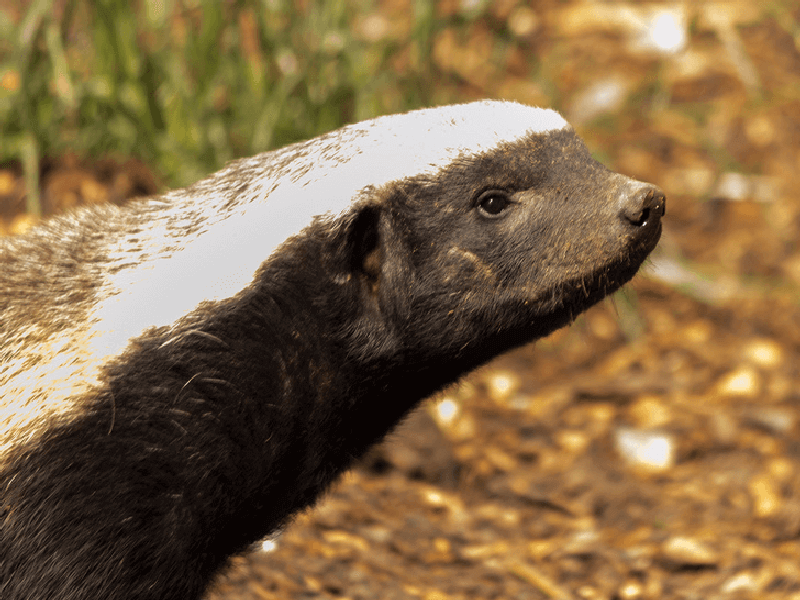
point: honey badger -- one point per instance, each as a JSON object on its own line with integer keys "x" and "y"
{"x": 181, "y": 375}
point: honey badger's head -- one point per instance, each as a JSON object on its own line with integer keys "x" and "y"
{"x": 488, "y": 244}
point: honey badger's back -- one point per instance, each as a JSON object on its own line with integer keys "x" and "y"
{"x": 179, "y": 376}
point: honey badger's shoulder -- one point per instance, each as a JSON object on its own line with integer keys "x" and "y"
{"x": 201, "y": 365}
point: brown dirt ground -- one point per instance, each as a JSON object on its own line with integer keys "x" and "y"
{"x": 524, "y": 489}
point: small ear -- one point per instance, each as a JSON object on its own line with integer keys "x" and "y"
{"x": 364, "y": 245}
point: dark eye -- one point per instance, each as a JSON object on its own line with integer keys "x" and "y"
{"x": 493, "y": 202}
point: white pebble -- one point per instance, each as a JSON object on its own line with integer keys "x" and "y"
{"x": 653, "y": 450}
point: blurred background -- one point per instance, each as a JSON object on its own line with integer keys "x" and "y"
{"x": 650, "y": 450}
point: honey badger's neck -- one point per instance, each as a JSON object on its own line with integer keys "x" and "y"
{"x": 195, "y": 441}
{"x": 180, "y": 376}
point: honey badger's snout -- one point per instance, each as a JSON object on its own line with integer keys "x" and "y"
{"x": 643, "y": 206}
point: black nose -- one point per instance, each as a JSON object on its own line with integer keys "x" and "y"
{"x": 643, "y": 206}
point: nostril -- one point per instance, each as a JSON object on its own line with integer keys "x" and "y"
{"x": 643, "y": 206}
{"x": 641, "y": 219}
